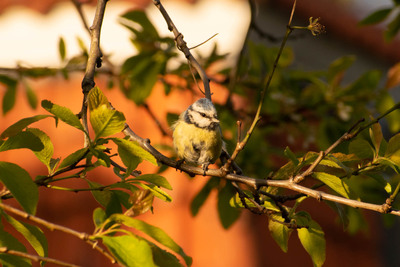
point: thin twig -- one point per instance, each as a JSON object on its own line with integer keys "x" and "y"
{"x": 35, "y": 258}
{"x": 182, "y": 46}
{"x": 94, "y": 61}
{"x": 240, "y": 146}
{"x": 52, "y": 226}
{"x": 193, "y": 47}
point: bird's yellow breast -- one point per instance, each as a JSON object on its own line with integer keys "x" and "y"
{"x": 196, "y": 145}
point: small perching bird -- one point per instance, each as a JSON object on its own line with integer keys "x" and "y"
{"x": 197, "y": 134}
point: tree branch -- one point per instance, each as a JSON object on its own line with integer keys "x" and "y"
{"x": 35, "y": 258}
{"x": 52, "y": 226}
{"x": 254, "y": 182}
{"x": 94, "y": 61}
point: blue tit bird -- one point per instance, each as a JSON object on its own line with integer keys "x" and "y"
{"x": 197, "y": 134}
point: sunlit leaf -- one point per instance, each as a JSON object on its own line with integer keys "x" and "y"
{"x": 154, "y": 232}
{"x": 33, "y": 234}
{"x": 63, "y": 113}
{"x": 21, "y": 124}
{"x": 158, "y": 192}
{"x": 106, "y": 122}
{"x": 279, "y": 231}
{"x": 384, "y": 103}
{"x": 24, "y": 139}
{"x": 46, "y": 153}
{"x": 73, "y": 158}
{"x": 313, "y": 240}
{"x": 130, "y": 250}
{"x": 334, "y": 182}
{"x": 132, "y": 154}
{"x": 155, "y": 179}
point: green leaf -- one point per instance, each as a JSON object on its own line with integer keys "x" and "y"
{"x": 106, "y": 122}
{"x": 130, "y": 152}
{"x": 21, "y": 124}
{"x": 154, "y": 232}
{"x": 11, "y": 92}
{"x": 141, "y": 202}
{"x": 10, "y": 242}
{"x": 30, "y": 95}
{"x": 20, "y": 184}
{"x": 32, "y": 233}
{"x": 313, "y": 240}
{"x": 339, "y": 66}
{"x": 138, "y": 22}
{"x": 279, "y": 231}
{"x": 61, "y": 48}
{"x": 334, "y": 182}
{"x": 361, "y": 148}
{"x": 46, "y": 153}
{"x": 376, "y": 17}
{"x": 162, "y": 257}
{"x": 227, "y": 214}
{"x": 141, "y": 74}
{"x": 203, "y": 194}
{"x": 157, "y": 192}
{"x": 384, "y": 102}
{"x": 96, "y": 99}
{"x": 99, "y": 217}
{"x": 155, "y": 179}
{"x": 393, "y": 145}
{"x": 375, "y": 132}
{"x": 73, "y": 158}
{"x": 22, "y": 140}
{"x": 290, "y": 155}
{"x": 107, "y": 198}
{"x": 129, "y": 250}
{"x": 392, "y": 29}
{"x": 63, "y": 113}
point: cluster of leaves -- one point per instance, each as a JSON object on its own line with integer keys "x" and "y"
{"x": 133, "y": 193}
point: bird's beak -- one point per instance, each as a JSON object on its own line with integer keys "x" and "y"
{"x": 215, "y": 120}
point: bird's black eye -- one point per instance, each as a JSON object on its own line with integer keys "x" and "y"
{"x": 203, "y": 114}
